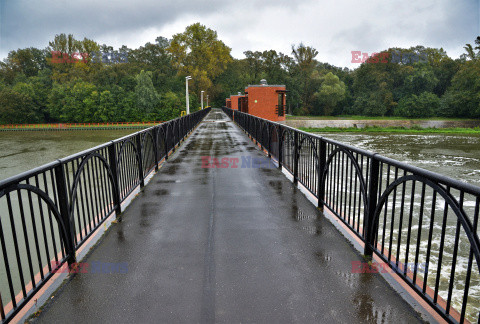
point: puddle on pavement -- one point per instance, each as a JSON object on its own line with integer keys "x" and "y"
{"x": 312, "y": 230}
{"x": 170, "y": 169}
{"x": 166, "y": 181}
{"x": 368, "y": 312}
{"x": 161, "y": 192}
{"x": 301, "y": 215}
{"x": 324, "y": 258}
{"x": 269, "y": 170}
{"x": 277, "y": 185}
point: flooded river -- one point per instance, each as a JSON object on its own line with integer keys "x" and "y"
{"x": 22, "y": 151}
{"x": 456, "y": 156}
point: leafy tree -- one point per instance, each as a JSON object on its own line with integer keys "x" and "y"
{"x": 424, "y": 105}
{"x": 305, "y": 58}
{"x": 79, "y": 105}
{"x": 89, "y": 90}
{"x": 253, "y": 66}
{"x": 370, "y": 104}
{"x": 199, "y": 53}
{"x": 421, "y": 79}
{"x": 17, "y": 107}
{"x": 147, "y": 96}
{"x": 56, "y": 101}
{"x": 28, "y": 61}
{"x": 172, "y": 106}
{"x": 232, "y": 80}
{"x": 471, "y": 54}
{"x": 74, "y": 102}
{"x": 331, "y": 92}
{"x": 462, "y": 98}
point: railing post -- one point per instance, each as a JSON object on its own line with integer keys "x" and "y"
{"x": 370, "y": 228}
{"x": 140, "y": 160}
{"x": 280, "y": 147}
{"x": 269, "y": 143}
{"x": 178, "y": 133}
{"x": 165, "y": 141}
{"x": 295, "y": 157}
{"x": 62, "y": 193}
{"x": 321, "y": 167}
{"x": 112, "y": 157}
{"x": 155, "y": 147}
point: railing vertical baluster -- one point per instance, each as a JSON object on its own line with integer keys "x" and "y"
{"x": 112, "y": 157}
{"x": 321, "y": 166}
{"x": 62, "y": 194}
{"x": 370, "y": 228}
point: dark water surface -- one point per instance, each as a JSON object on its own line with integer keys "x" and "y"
{"x": 22, "y": 151}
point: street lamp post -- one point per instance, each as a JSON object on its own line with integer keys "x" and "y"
{"x": 207, "y": 100}
{"x": 202, "y": 98}
{"x": 186, "y": 93}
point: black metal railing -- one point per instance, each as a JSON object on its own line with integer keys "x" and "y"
{"x": 48, "y": 213}
{"x": 422, "y": 225}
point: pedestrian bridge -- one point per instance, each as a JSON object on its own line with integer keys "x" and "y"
{"x": 206, "y": 219}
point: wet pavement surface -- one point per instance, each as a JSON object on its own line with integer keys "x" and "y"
{"x": 223, "y": 245}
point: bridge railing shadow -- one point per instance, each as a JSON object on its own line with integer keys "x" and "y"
{"x": 423, "y": 226}
{"x": 48, "y": 213}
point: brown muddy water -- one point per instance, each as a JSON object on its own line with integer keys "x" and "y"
{"x": 22, "y": 151}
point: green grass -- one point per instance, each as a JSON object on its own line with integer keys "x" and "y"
{"x": 375, "y": 129}
{"x": 76, "y": 126}
{"x": 347, "y": 117}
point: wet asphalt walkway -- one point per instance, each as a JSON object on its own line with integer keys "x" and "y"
{"x": 224, "y": 245}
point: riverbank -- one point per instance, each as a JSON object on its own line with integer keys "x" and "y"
{"x": 376, "y": 129}
{"x": 383, "y": 123}
{"x": 354, "y": 117}
{"x": 78, "y": 126}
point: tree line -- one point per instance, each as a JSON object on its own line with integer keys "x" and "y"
{"x": 69, "y": 82}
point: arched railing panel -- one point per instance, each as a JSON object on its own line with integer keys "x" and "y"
{"x": 128, "y": 167}
{"x": 148, "y": 152}
{"x": 32, "y": 240}
{"x": 425, "y": 234}
{"x": 345, "y": 187}
{"x": 91, "y": 194}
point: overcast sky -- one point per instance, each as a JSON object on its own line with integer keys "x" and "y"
{"x": 334, "y": 28}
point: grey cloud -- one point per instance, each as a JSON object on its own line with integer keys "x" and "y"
{"x": 247, "y": 25}
{"x": 24, "y": 24}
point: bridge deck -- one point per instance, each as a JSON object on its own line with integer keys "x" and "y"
{"x": 224, "y": 245}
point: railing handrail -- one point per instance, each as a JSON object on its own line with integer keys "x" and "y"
{"x": 467, "y": 187}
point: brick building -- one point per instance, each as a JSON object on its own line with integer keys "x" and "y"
{"x": 235, "y": 99}
{"x": 263, "y": 100}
